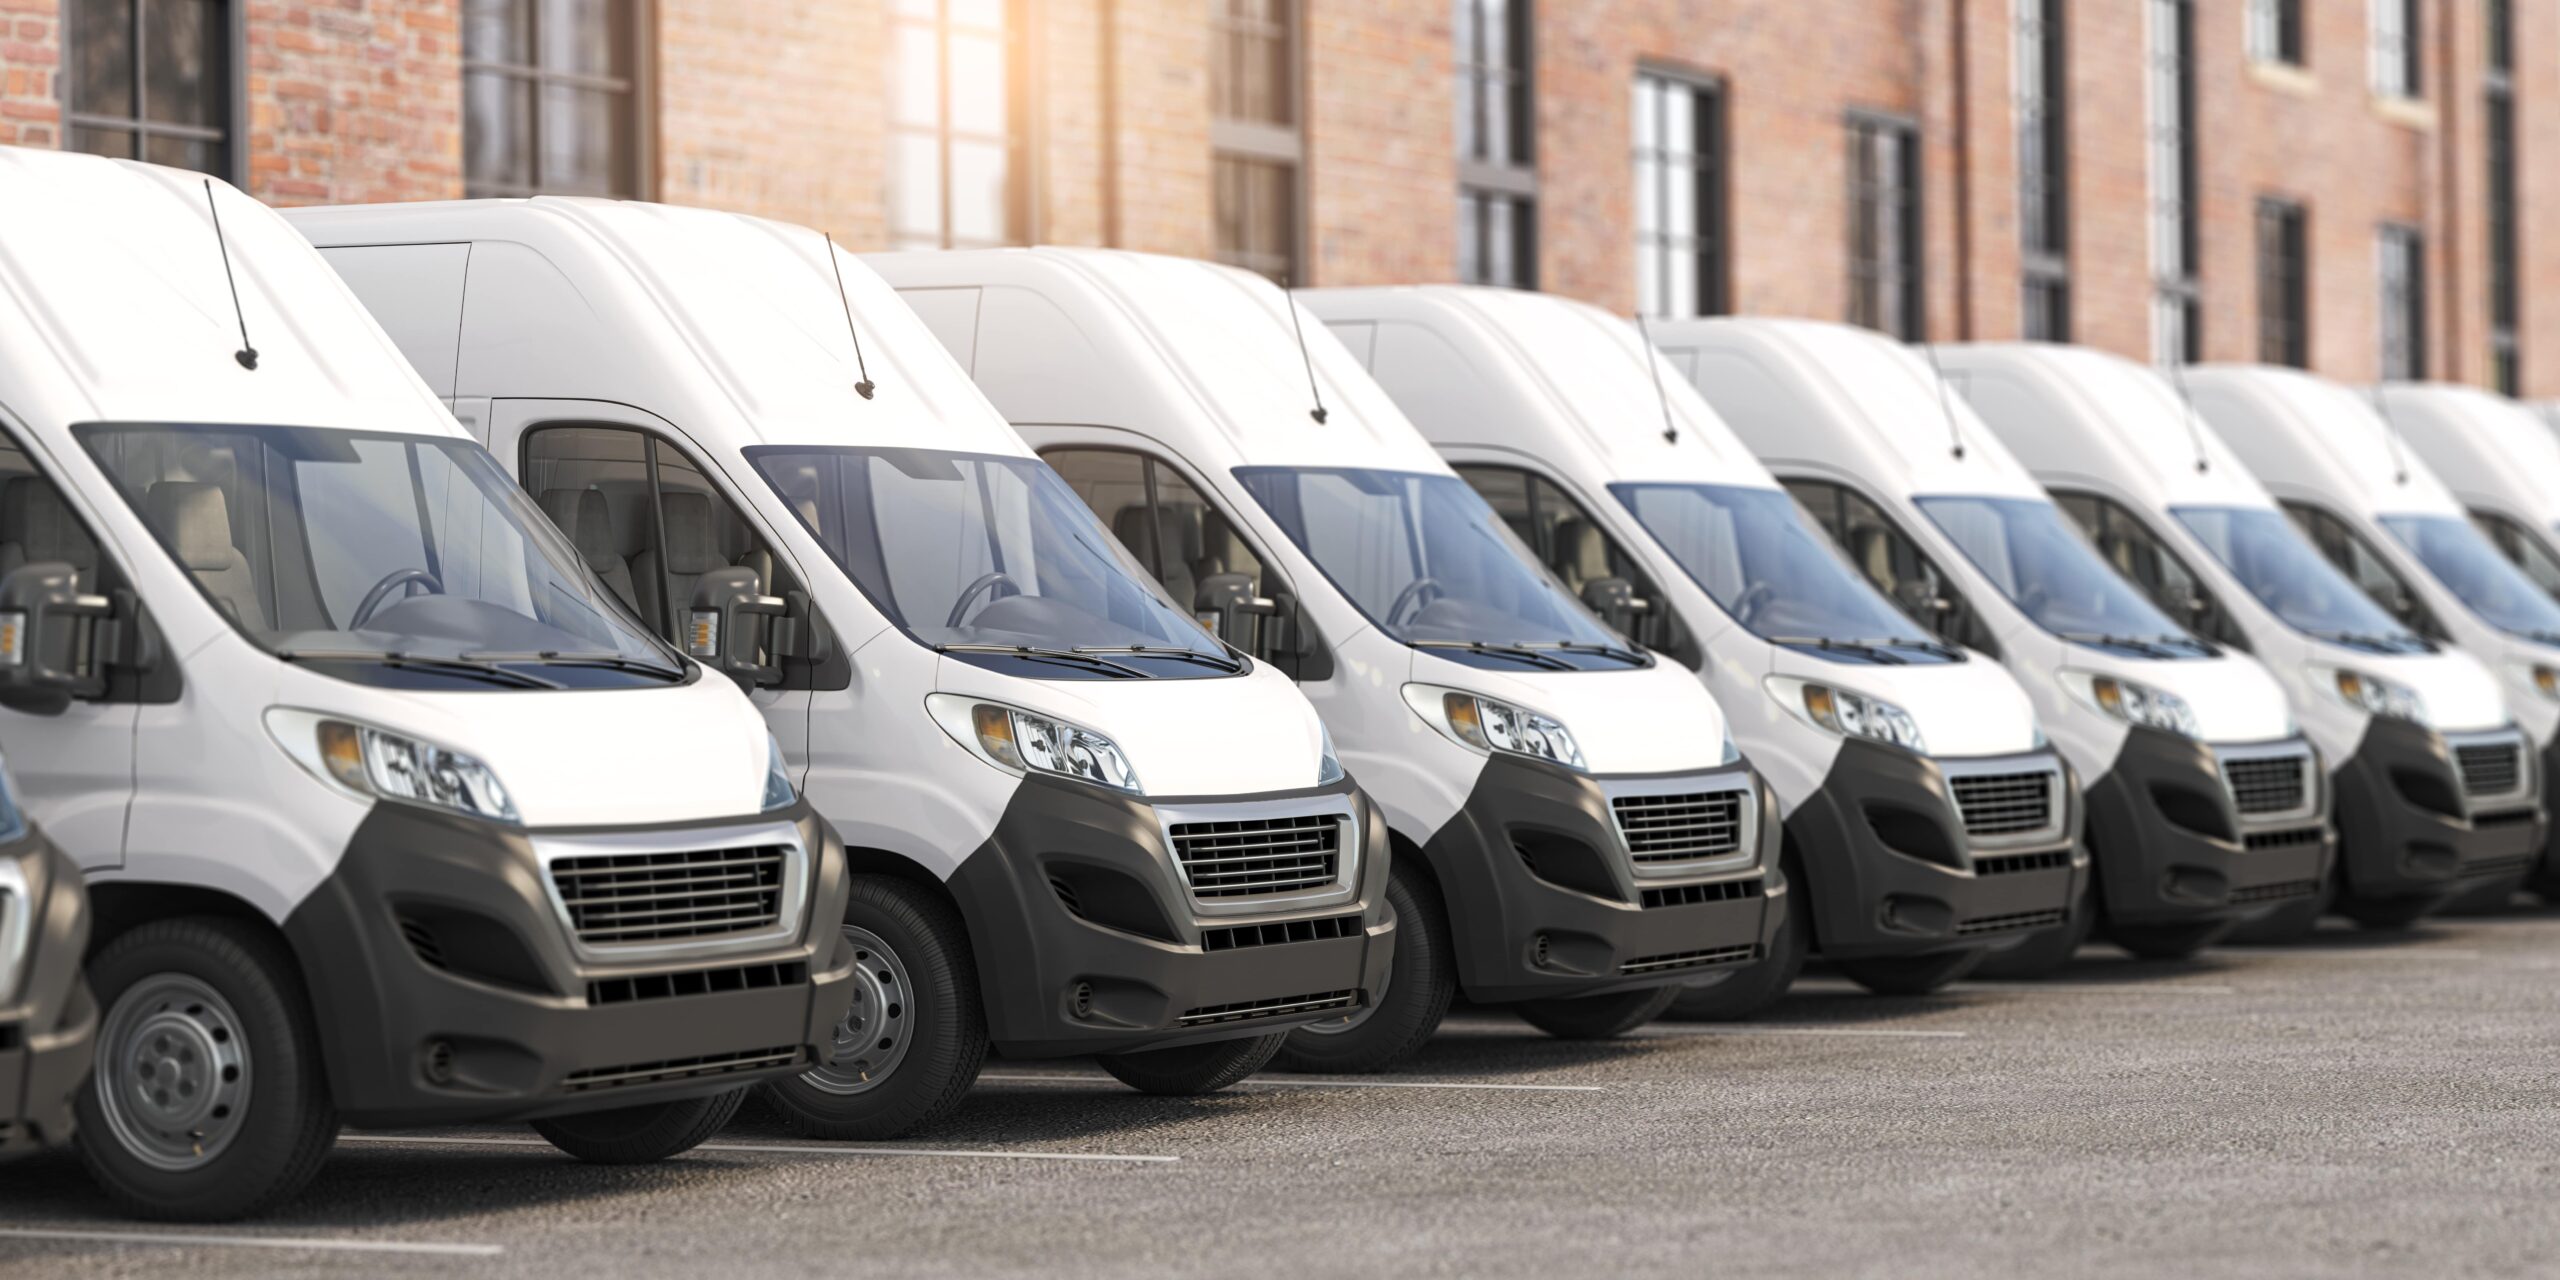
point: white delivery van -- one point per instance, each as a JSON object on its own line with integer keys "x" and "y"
{"x": 1938, "y": 512}
{"x": 1895, "y": 758}
{"x": 48, "y": 1022}
{"x": 389, "y": 816}
{"x": 2500, "y": 460}
{"x": 1575, "y": 833}
{"x": 2464, "y": 753}
{"x": 1078, "y": 823}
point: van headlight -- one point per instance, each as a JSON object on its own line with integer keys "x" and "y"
{"x": 2133, "y": 703}
{"x": 2545, "y": 679}
{"x": 1020, "y": 741}
{"x": 2374, "y": 695}
{"x": 380, "y": 764}
{"x": 1328, "y": 765}
{"x": 1489, "y": 724}
{"x": 778, "y": 791}
{"x": 1851, "y": 715}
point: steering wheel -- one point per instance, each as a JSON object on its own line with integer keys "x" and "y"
{"x": 985, "y": 583}
{"x": 1412, "y": 595}
{"x": 393, "y": 581}
{"x": 1753, "y": 601}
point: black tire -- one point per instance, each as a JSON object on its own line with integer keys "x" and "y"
{"x": 2043, "y": 953}
{"x": 1421, "y": 979}
{"x": 247, "y": 1154}
{"x": 1910, "y": 975}
{"x": 1597, "y": 1017}
{"x": 927, "y": 1003}
{"x": 2168, "y": 941}
{"x": 2386, "y": 915}
{"x": 1762, "y": 983}
{"x": 1188, "y": 1070}
{"x": 642, "y": 1135}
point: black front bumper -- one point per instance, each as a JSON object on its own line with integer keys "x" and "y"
{"x": 1089, "y": 940}
{"x": 1893, "y": 872}
{"x": 2407, "y": 830}
{"x": 2172, "y": 846}
{"x": 445, "y": 988}
{"x": 1544, "y": 900}
{"x": 49, "y": 1025}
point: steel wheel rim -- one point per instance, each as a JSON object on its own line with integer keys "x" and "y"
{"x": 873, "y": 1037}
{"x": 173, "y": 1074}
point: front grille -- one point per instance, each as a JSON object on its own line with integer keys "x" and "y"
{"x": 1690, "y": 895}
{"x": 1742, "y": 954}
{"x": 2005, "y": 804}
{"x": 1251, "y": 857}
{"x": 2272, "y": 892}
{"x": 1276, "y": 1006}
{"x": 2490, "y": 768}
{"x": 696, "y": 982}
{"x": 624, "y": 899}
{"x": 2289, "y": 838}
{"x": 717, "y": 1064}
{"x": 2010, "y": 864}
{"x": 2492, "y": 868}
{"x": 2271, "y": 784}
{"x": 1238, "y": 936}
{"x": 1680, "y": 828}
{"x": 2013, "y": 920}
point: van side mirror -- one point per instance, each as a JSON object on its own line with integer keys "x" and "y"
{"x": 1617, "y": 603}
{"x": 55, "y": 644}
{"x": 1226, "y": 601}
{"x": 733, "y": 624}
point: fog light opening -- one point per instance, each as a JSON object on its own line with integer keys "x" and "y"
{"x": 1538, "y": 951}
{"x": 1080, "y": 1000}
{"x": 439, "y": 1062}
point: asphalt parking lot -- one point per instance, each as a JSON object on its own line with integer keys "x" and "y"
{"x": 2357, "y": 1106}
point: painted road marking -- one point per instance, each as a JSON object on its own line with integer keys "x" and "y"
{"x": 1763, "y": 1029}
{"x": 309, "y": 1243}
{"x": 1293, "y": 1082}
{"x": 2103, "y": 988}
{"x": 793, "y": 1149}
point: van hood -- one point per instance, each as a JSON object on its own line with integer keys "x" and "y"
{"x": 2460, "y": 692}
{"x": 1969, "y": 708}
{"x": 1655, "y": 719}
{"x": 2233, "y": 696}
{"x": 1209, "y": 736}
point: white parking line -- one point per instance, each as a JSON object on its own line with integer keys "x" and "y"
{"x": 1294, "y": 1082}
{"x": 1763, "y": 1029}
{"x": 2388, "y": 953}
{"x": 308, "y": 1243}
{"x": 2102, "y": 988}
{"x": 792, "y": 1149}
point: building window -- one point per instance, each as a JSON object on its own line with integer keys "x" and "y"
{"x": 2177, "y": 309}
{"x": 1680, "y": 228}
{"x": 2506, "y": 357}
{"x": 1884, "y": 226}
{"x": 152, "y": 81}
{"x": 552, "y": 98}
{"x": 2284, "y": 284}
{"x": 952, "y": 126}
{"x": 2044, "y": 167}
{"x": 2396, "y": 40}
{"x": 1497, "y": 127}
{"x": 1255, "y": 135}
{"x": 2275, "y": 31}
{"x": 2404, "y": 304}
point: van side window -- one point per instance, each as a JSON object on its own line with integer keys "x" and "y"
{"x": 1578, "y": 551}
{"x": 1894, "y": 563}
{"x": 2145, "y": 561}
{"x": 2365, "y": 567}
{"x": 2518, "y": 544}
{"x": 36, "y": 525}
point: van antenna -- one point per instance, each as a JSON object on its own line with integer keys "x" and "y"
{"x": 2195, "y": 425}
{"x": 2390, "y": 436}
{"x": 1653, "y": 365}
{"x": 1299, "y": 328}
{"x": 1946, "y": 405}
{"x": 865, "y": 387}
{"x": 247, "y": 355}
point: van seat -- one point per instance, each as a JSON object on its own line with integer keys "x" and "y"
{"x": 584, "y": 515}
{"x": 692, "y": 550}
{"x": 194, "y": 520}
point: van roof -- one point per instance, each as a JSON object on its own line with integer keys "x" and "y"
{"x": 704, "y": 317}
{"x": 2080, "y": 417}
{"x": 2304, "y": 436}
{"x": 1877, "y": 409}
{"x": 1202, "y": 357}
{"x": 114, "y": 307}
{"x": 2489, "y": 450}
{"x": 1537, "y": 374}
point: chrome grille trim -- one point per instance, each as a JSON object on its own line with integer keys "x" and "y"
{"x": 2490, "y": 770}
{"x": 17, "y": 912}
{"x": 1687, "y": 826}
{"x": 2006, "y": 801}
{"x": 1275, "y": 1007}
{"x": 1255, "y": 857}
{"x": 1740, "y": 953}
{"x": 622, "y": 896}
{"x": 2269, "y": 781}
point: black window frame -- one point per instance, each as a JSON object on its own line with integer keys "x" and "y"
{"x": 2499, "y": 125}
{"x": 1825, "y": 502}
{"x": 1246, "y": 145}
{"x": 2115, "y": 525}
{"x": 2043, "y": 109}
{"x": 2395, "y": 41}
{"x": 1017, "y": 211}
{"x": 2276, "y": 32}
{"x": 232, "y": 136}
{"x": 2529, "y": 549}
{"x": 2283, "y": 232}
{"x": 1888, "y": 270}
{"x": 638, "y": 98}
{"x": 1497, "y": 178}
{"x": 2176, "y": 221}
{"x": 2331, "y": 535}
{"x": 1659, "y": 628}
{"x": 2400, "y": 297}
{"x": 1707, "y": 163}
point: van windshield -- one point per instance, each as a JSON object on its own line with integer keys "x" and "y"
{"x": 992, "y": 560}
{"x": 1775, "y": 574}
{"x": 2047, "y": 568}
{"x": 2271, "y": 558}
{"x": 1430, "y": 563}
{"x": 395, "y": 560}
{"x": 2485, "y": 582}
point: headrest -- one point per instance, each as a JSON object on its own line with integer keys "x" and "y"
{"x": 584, "y": 516}
{"x": 1178, "y": 530}
{"x": 693, "y": 543}
{"x": 195, "y": 520}
{"x": 33, "y": 517}
{"x": 1582, "y": 551}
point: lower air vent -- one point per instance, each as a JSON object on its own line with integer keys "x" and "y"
{"x": 1743, "y": 954}
{"x": 2504, "y": 818}
{"x": 2011, "y": 864}
{"x": 717, "y": 1064}
{"x": 1690, "y": 895}
{"x": 2013, "y": 921}
{"x": 2492, "y": 868}
{"x": 422, "y": 941}
{"x": 2289, "y": 838}
{"x": 2490, "y": 768}
{"x": 2005, "y": 804}
{"x": 1277, "y": 1006}
{"x": 1066, "y": 896}
{"x": 2274, "y": 892}
{"x": 1238, "y": 937}
{"x": 696, "y": 982}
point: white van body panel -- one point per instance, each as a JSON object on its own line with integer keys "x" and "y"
{"x": 2491, "y": 452}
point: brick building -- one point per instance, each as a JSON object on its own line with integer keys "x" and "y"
{"x": 2345, "y": 184}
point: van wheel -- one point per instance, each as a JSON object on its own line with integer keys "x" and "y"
{"x": 2042, "y": 953}
{"x": 1756, "y": 986}
{"x": 1187, "y": 1070}
{"x": 1597, "y": 1017}
{"x": 1910, "y": 975}
{"x": 1420, "y": 981}
{"x": 641, "y": 1135}
{"x": 910, "y": 1046}
{"x": 208, "y": 1102}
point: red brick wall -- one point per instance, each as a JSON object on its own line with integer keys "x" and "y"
{"x": 1382, "y": 148}
{"x": 2538, "y": 192}
{"x": 30, "y": 55}
{"x": 1162, "y": 167}
{"x": 354, "y": 101}
{"x": 776, "y": 109}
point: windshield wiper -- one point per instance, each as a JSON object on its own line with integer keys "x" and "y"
{"x": 1515, "y": 652}
{"x": 1625, "y": 655}
{"x": 2147, "y": 646}
{"x": 1219, "y": 660}
{"x": 462, "y": 666}
{"x": 1037, "y": 654}
{"x": 1922, "y": 643}
{"x": 606, "y": 661}
{"x": 1875, "y": 651}
{"x": 2371, "y": 639}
